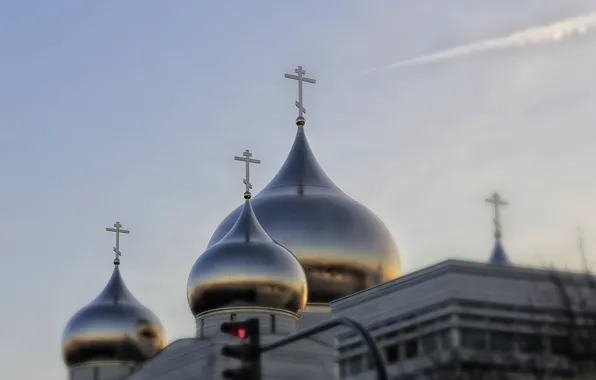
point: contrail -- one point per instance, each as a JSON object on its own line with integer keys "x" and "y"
{"x": 542, "y": 34}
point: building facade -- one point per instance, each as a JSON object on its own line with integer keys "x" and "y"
{"x": 477, "y": 319}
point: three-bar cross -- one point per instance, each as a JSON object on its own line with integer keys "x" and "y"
{"x": 497, "y": 201}
{"x": 118, "y": 230}
{"x": 300, "y": 78}
{"x": 246, "y": 157}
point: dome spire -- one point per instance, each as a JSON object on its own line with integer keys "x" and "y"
{"x": 247, "y": 227}
{"x": 300, "y": 120}
{"x": 246, "y": 157}
{"x": 498, "y": 255}
{"x": 301, "y": 168}
{"x": 118, "y": 230}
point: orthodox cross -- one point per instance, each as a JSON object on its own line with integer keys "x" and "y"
{"x": 118, "y": 230}
{"x": 497, "y": 201}
{"x": 246, "y": 157}
{"x": 300, "y": 78}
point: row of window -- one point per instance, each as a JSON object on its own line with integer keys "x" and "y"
{"x": 475, "y": 339}
{"x": 497, "y": 341}
{"x": 396, "y": 352}
{"x": 391, "y": 335}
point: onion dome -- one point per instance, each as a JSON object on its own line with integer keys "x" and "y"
{"x": 498, "y": 256}
{"x": 114, "y": 327}
{"x": 246, "y": 269}
{"x": 342, "y": 246}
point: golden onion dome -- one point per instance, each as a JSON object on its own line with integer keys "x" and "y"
{"x": 246, "y": 269}
{"x": 342, "y": 246}
{"x": 113, "y": 327}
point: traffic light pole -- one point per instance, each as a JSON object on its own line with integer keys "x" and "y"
{"x": 334, "y": 322}
{"x": 248, "y": 353}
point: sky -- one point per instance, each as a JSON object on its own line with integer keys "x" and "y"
{"x": 133, "y": 111}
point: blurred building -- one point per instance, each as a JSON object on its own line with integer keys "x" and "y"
{"x": 479, "y": 320}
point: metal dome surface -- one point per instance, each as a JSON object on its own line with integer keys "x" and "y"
{"x": 113, "y": 327}
{"x": 246, "y": 269}
{"x": 342, "y": 246}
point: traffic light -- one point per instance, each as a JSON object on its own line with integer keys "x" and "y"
{"x": 248, "y": 353}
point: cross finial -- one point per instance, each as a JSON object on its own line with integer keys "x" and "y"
{"x": 246, "y": 157}
{"x": 118, "y": 230}
{"x": 300, "y": 78}
{"x": 497, "y": 201}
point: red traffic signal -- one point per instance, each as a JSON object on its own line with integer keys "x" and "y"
{"x": 247, "y": 352}
{"x": 235, "y": 331}
{"x": 248, "y": 329}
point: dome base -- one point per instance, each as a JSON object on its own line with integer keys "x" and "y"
{"x": 102, "y": 370}
{"x": 272, "y": 321}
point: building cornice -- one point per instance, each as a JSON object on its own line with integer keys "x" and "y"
{"x": 461, "y": 267}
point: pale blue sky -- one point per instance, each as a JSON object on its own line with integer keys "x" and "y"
{"x": 133, "y": 110}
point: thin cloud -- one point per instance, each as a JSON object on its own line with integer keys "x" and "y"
{"x": 554, "y": 32}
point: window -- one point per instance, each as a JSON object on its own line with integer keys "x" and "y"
{"x": 445, "y": 338}
{"x": 531, "y": 343}
{"x": 502, "y": 342}
{"x": 343, "y": 368}
{"x": 559, "y": 345}
{"x": 587, "y": 346}
{"x": 502, "y": 321}
{"x": 369, "y": 361}
{"x": 411, "y": 349}
{"x": 474, "y": 339}
{"x": 392, "y": 353}
{"x": 355, "y": 364}
{"x": 429, "y": 343}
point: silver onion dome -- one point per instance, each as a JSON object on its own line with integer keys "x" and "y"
{"x": 246, "y": 269}
{"x": 342, "y": 245}
{"x": 113, "y": 327}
